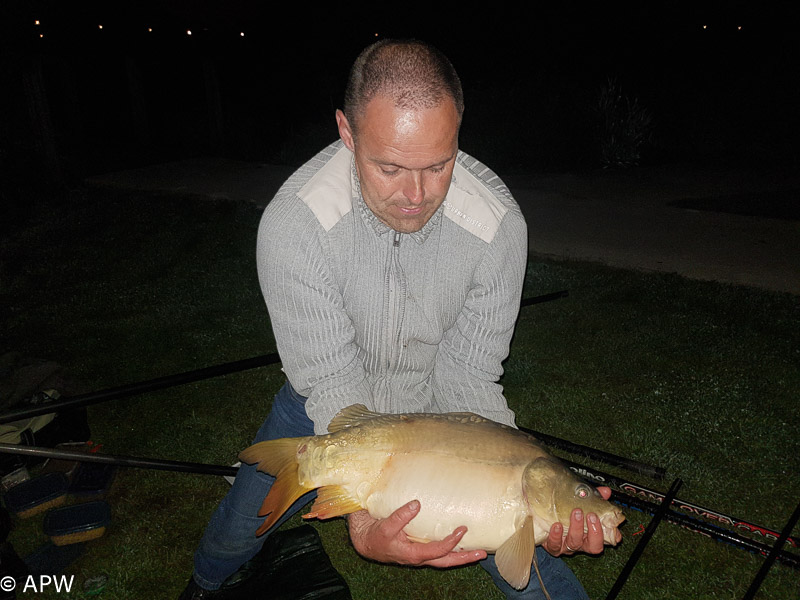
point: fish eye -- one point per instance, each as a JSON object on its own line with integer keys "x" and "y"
{"x": 583, "y": 491}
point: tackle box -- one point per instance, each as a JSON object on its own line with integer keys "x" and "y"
{"x": 37, "y": 495}
{"x": 77, "y": 523}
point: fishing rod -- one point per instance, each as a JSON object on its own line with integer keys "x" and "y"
{"x": 177, "y": 379}
{"x": 600, "y": 455}
{"x": 260, "y": 361}
{"x": 659, "y": 516}
{"x": 160, "y": 383}
{"x": 158, "y": 464}
{"x": 773, "y": 555}
{"x": 714, "y": 532}
{"x": 134, "y": 389}
{"x": 639, "y": 491}
{"x": 717, "y": 533}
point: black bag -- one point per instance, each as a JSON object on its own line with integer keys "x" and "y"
{"x": 27, "y": 383}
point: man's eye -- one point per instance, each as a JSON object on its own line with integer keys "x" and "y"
{"x": 390, "y": 172}
{"x": 437, "y": 169}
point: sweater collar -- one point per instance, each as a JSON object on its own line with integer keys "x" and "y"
{"x": 379, "y": 227}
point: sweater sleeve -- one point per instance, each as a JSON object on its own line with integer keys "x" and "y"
{"x": 314, "y": 335}
{"x": 469, "y": 359}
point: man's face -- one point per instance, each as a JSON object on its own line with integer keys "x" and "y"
{"x": 404, "y": 159}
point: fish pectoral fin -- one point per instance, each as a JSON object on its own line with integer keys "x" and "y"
{"x": 279, "y": 458}
{"x": 515, "y": 556}
{"x": 333, "y": 501}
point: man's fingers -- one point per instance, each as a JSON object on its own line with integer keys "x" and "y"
{"x": 605, "y": 492}
{"x": 437, "y": 550}
{"x": 555, "y": 539}
{"x": 594, "y": 537}
{"x": 440, "y": 554}
{"x": 574, "y": 540}
{"x": 456, "y": 559}
{"x": 395, "y": 522}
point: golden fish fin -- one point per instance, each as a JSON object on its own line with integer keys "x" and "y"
{"x": 279, "y": 458}
{"x": 333, "y": 501}
{"x": 281, "y": 496}
{"x": 273, "y": 456}
{"x": 515, "y": 556}
{"x": 355, "y": 414}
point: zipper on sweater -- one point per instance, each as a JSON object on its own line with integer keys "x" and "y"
{"x": 394, "y": 318}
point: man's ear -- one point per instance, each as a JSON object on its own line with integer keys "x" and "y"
{"x": 345, "y": 131}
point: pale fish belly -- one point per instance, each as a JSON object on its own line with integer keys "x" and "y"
{"x": 486, "y": 498}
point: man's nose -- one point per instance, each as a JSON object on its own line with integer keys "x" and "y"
{"x": 414, "y": 188}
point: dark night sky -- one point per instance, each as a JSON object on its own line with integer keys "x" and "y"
{"x": 528, "y": 72}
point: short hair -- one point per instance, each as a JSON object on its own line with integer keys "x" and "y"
{"x": 412, "y": 73}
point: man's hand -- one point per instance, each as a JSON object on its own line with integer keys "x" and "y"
{"x": 576, "y": 540}
{"x": 383, "y": 540}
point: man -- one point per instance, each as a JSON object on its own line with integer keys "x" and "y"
{"x": 392, "y": 267}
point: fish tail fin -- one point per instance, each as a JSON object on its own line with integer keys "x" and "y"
{"x": 277, "y": 458}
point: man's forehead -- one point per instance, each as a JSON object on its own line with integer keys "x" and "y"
{"x": 427, "y": 131}
{"x": 381, "y": 105}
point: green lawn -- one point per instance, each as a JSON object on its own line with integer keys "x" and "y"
{"x": 697, "y": 377}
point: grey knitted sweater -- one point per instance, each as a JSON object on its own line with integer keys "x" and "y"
{"x": 414, "y": 322}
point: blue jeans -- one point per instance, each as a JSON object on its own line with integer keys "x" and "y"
{"x": 230, "y": 540}
{"x": 230, "y": 537}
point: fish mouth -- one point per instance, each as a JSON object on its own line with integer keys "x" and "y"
{"x": 610, "y": 523}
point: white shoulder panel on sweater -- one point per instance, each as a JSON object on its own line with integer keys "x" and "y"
{"x": 472, "y": 206}
{"x": 329, "y": 191}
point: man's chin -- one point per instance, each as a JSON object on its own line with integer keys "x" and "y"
{"x": 407, "y": 225}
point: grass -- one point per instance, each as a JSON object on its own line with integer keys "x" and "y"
{"x": 697, "y": 377}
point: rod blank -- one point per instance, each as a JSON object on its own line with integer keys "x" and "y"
{"x": 648, "y": 534}
{"x": 133, "y": 389}
{"x": 121, "y": 461}
{"x": 600, "y": 455}
{"x": 773, "y": 555}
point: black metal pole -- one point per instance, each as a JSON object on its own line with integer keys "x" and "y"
{"x": 544, "y": 298}
{"x": 142, "y": 387}
{"x": 773, "y": 555}
{"x": 121, "y": 461}
{"x": 646, "y": 536}
{"x": 161, "y": 383}
{"x": 600, "y": 455}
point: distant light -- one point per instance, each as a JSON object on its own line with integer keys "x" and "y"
{"x": 41, "y": 35}
{"x": 150, "y": 29}
{"x": 376, "y": 35}
{"x": 241, "y": 34}
{"x": 36, "y": 22}
{"x": 705, "y": 26}
{"x": 99, "y": 26}
{"x": 188, "y": 32}
{"x": 740, "y": 27}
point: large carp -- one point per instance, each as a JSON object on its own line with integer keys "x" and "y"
{"x": 464, "y": 469}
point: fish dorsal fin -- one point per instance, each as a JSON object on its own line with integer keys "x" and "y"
{"x": 352, "y": 415}
{"x": 515, "y": 556}
{"x": 333, "y": 501}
